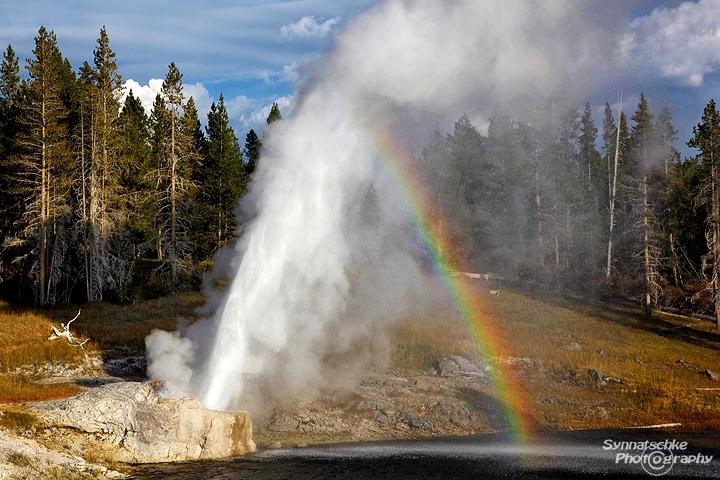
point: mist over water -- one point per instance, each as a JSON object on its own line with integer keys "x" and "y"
{"x": 326, "y": 260}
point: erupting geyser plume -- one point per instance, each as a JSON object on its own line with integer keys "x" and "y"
{"x": 328, "y": 255}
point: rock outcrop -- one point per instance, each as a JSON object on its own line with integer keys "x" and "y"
{"x": 456, "y": 366}
{"x": 142, "y": 426}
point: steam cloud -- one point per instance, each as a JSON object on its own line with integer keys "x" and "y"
{"x": 325, "y": 258}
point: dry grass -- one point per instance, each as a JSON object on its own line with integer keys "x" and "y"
{"x": 615, "y": 339}
{"x": 24, "y": 347}
{"x": 114, "y": 331}
{"x": 418, "y": 342}
{"x": 17, "y": 419}
{"x": 120, "y": 330}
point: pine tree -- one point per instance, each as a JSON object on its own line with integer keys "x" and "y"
{"x": 174, "y": 122}
{"x": 589, "y": 156}
{"x": 274, "y": 114}
{"x": 617, "y": 144}
{"x": 10, "y": 96}
{"x": 706, "y": 138}
{"x": 136, "y": 175}
{"x": 590, "y": 226}
{"x": 107, "y": 260}
{"x": 666, "y": 136}
{"x": 159, "y": 135}
{"x": 43, "y": 167}
{"x": 506, "y": 202}
{"x": 642, "y": 138}
{"x": 10, "y": 80}
{"x": 252, "y": 151}
{"x": 222, "y": 180}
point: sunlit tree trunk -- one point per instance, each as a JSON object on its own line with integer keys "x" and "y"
{"x": 613, "y": 193}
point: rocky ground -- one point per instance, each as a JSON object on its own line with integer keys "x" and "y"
{"x": 451, "y": 399}
{"x": 24, "y": 451}
{"x": 23, "y": 458}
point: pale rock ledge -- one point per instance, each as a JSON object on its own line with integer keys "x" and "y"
{"x": 140, "y": 425}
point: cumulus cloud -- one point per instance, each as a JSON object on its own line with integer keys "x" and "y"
{"x": 147, "y": 94}
{"x": 200, "y": 95}
{"x": 289, "y": 73}
{"x": 681, "y": 42}
{"x": 252, "y": 113}
{"x": 309, "y": 27}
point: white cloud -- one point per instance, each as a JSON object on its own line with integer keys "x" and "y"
{"x": 249, "y": 113}
{"x": 201, "y": 96}
{"x": 309, "y": 27}
{"x": 147, "y": 94}
{"x": 681, "y": 42}
{"x": 289, "y": 73}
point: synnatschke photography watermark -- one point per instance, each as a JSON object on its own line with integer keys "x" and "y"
{"x": 656, "y": 457}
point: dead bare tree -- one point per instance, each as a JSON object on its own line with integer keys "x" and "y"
{"x": 67, "y": 335}
{"x": 613, "y": 192}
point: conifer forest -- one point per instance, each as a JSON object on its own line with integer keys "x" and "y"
{"x": 102, "y": 201}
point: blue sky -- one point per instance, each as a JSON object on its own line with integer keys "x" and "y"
{"x": 254, "y": 52}
{"x": 250, "y": 51}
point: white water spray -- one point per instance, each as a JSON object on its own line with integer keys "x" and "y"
{"x": 312, "y": 273}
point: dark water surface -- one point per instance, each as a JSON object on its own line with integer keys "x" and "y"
{"x": 579, "y": 454}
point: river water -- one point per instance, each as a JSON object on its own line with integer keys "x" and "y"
{"x": 578, "y": 454}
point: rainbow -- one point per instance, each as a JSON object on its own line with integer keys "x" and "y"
{"x": 401, "y": 165}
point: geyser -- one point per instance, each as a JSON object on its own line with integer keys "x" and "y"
{"x": 327, "y": 255}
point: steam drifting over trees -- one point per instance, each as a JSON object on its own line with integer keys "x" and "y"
{"x": 100, "y": 199}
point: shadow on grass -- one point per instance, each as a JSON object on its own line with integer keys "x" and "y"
{"x": 629, "y": 315}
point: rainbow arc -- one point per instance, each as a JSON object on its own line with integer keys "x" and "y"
{"x": 432, "y": 232}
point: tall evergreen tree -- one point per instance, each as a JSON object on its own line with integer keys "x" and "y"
{"x": 137, "y": 174}
{"x": 10, "y": 93}
{"x": 642, "y": 138}
{"x": 222, "y": 180}
{"x": 706, "y": 138}
{"x": 252, "y": 151}
{"x": 507, "y": 202}
{"x": 670, "y": 159}
{"x": 592, "y": 198}
{"x": 44, "y": 164}
{"x": 107, "y": 259}
{"x": 174, "y": 124}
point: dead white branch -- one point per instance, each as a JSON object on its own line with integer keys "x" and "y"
{"x": 65, "y": 333}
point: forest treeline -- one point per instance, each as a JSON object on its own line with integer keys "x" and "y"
{"x": 98, "y": 199}
{"x": 101, "y": 201}
{"x": 535, "y": 200}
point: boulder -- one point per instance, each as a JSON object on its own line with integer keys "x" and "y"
{"x": 142, "y": 426}
{"x": 597, "y": 375}
{"x": 455, "y": 366}
{"x": 573, "y": 347}
{"x": 283, "y": 424}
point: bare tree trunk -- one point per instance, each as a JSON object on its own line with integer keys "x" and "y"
{"x": 44, "y": 194}
{"x": 715, "y": 236}
{"x": 538, "y": 205}
{"x": 646, "y": 227}
{"x": 173, "y": 199}
{"x": 84, "y": 213}
{"x": 613, "y": 192}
